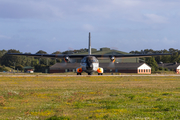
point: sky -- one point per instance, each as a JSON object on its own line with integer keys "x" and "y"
{"x": 59, "y": 25}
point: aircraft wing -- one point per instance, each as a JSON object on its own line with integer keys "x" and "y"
{"x": 97, "y": 56}
{"x": 129, "y": 55}
{"x": 49, "y": 55}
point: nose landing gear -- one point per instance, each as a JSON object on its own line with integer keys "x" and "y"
{"x": 89, "y": 73}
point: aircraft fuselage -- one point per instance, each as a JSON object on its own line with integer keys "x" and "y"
{"x": 89, "y": 64}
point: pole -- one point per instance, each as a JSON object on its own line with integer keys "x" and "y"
{"x": 14, "y": 66}
{"x": 163, "y": 67}
{"x": 89, "y": 43}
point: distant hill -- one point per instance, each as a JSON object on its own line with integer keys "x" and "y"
{"x": 102, "y": 51}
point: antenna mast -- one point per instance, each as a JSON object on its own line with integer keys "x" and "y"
{"x": 89, "y": 44}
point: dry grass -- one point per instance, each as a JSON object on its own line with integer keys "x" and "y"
{"x": 90, "y": 97}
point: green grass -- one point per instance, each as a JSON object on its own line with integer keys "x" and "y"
{"x": 102, "y": 97}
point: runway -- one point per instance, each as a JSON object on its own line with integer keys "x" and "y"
{"x": 153, "y": 75}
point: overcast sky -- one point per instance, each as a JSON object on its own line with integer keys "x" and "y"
{"x": 59, "y": 25}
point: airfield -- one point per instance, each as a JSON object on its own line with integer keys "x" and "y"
{"x": 72, "y": 97}
{"x": 128, "y": 75}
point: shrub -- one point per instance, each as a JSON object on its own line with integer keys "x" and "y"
{"x": 166, "y": 69}
{"x": 161, "y": 68}
{"x": 19, "y": 67}
{"x": 3, "y": 68}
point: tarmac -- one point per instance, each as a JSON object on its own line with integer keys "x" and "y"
{"x": 152, "y": 75}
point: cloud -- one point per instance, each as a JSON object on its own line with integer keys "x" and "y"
{"x": 4, "y": 37}
{"x": 153, "y": 18}
{"x": 156, "y": 11}
{"x": 125, "y": 3}
{"x": 21, "y": 9}
{"x": 132, "y": 10}
{"x": 43, "y": 20}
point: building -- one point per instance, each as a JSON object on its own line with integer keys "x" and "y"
{"x": 140, "y": 68}
{"x": 28, "y": 69}
{"x": 63, "y": 67}
{"x": 171, "y": 66}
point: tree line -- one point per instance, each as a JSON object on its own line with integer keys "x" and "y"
{"x": 18, "y": 62}
{"x": 39, "y": 64}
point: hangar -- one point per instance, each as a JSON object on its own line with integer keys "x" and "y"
{"x": 140, "y": 68}
{"x": 171, "y": 66}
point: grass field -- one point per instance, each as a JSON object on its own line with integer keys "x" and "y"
{"x": 102, "y": 97}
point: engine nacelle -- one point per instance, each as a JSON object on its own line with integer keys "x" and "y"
{"x": 67, "y": 59}
{"x": 113, "y": 59}
{"x": 100, "y": 70}
{"x": 79, "y": 70}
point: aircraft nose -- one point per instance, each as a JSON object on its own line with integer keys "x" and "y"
{"x": 89, "y": 66}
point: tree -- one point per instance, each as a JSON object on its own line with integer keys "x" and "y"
{"x": 166, "y": 59}
{"x": 19, "y": 67}
{"x": 57, "y": 52}
{"x": 3, "y": 68}
{"x": 175, "y": 57}
{"x": 41, "y": 52}
{"x": 11, "y": 60}
{"x": 152, "y": 62}
{"x": 2, "y": 52}
{"x": 40, "y": 68}
{"x": 42, "y": 60}
{"x": 34, "y": 62}
{"x": 172, "y": 50}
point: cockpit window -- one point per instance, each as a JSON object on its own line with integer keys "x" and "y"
{"x": 92, "y": 59}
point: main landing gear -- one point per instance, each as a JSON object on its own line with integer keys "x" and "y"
{"x": 78, "y": 73}
{"x": 90, "y": 73}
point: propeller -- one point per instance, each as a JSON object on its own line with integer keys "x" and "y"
{"x": 112, "y": 58}
{"x": 111, "y": 65}
{"x": 57, "y": 53}
{"x": 63, "y": 64}
{"x": 67, "y": 58}
{"x": 70, "y": 51}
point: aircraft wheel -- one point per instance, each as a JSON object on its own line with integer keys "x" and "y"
{"x": 101, "y": 73}
{"x": 89, "y": 73}
{"x": 78, "y": 73}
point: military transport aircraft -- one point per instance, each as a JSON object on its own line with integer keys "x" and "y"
{"x": 89, "y": 63}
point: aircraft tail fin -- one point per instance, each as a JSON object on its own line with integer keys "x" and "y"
{"x": 89, "y": 48}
